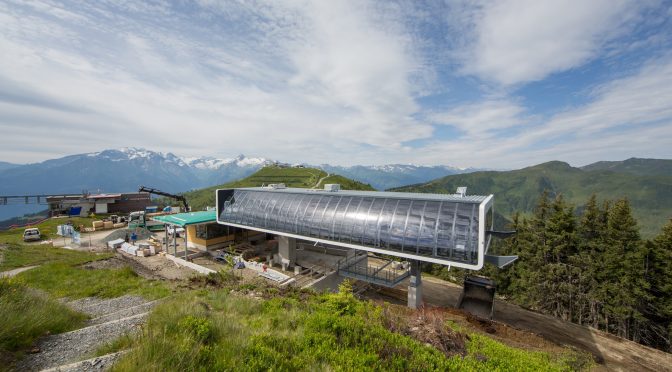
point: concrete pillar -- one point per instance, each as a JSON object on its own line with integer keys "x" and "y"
{"x": 185, "y": 242}
{"x": 415, "y": 286}
{"x": 287, "y": 251}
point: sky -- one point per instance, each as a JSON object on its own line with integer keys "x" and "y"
{"x": 492, "y": 84}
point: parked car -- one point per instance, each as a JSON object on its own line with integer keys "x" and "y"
{"x": 172, "y": 230}
{"x": 32, "y": 235}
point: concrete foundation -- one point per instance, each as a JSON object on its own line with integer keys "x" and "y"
{"x": 415, "y": 286}
{"x": 287, "y": 252}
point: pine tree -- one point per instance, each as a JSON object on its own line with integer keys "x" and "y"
{"x": 591, "y": 235}
{"x": 624, "y": 270}
{"x": 557, "y": 278}
{"x": 659, "y": 276}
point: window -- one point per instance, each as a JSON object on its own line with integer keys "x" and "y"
{"x": 212, "y": 231}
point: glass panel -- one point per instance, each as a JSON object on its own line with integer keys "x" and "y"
{"x": 426, "y": 235}
{"x": 304, "y": 218}
{"x": 413, "y": 226}
{"x": 360, "y": 220}
{"x": 273, "y": 217}
{"x": 347, "y": 222}
{"x": 337, "y": 223}
{"x": 326, "y": 208}
{"x": 370, "y": 234}
{"x": 327, "y": 223}
{"x": 396, "y": 232}
{"x": 316, "y": 218}
{"x": 445, "y": 230}
{"x": 386, "y": 220}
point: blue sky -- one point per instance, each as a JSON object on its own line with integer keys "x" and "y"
{"x": 497, "y": 84}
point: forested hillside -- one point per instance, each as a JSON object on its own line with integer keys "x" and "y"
{"x": 645, "y": 183}
{"x": 593, "y": 269}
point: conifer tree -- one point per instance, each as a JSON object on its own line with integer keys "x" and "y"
{"x": 591, "y": 235}
{"x": 557, "y": 278}
{"x": 659, "y": 276}
{"x": 624, "y": 270}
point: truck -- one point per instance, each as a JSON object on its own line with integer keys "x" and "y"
{"x": 139, "y": 219}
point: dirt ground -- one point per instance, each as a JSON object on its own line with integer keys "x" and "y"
{"x": 516, "y": 326}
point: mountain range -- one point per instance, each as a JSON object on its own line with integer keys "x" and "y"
{"x": 383, "y": 177}
{"x": 646, "y": 183}
{"x": 123, "y": 170}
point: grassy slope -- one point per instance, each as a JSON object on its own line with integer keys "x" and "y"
{"x": 212, "y": 328}
{"x": 27, "y": 301}
{"x": 28, "y": 314}
{"x": 519, "y": 190}
{"x": 640, "y": 167}
{"x": 218, "y": 330}
{"x": 291, "y": 177}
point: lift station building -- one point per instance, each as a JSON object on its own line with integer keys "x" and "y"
{"x": 441, "y": 229}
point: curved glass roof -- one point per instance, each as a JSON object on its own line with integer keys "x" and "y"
{"x": 433, "y": 227}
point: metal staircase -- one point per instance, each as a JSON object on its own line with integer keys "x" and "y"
{"x": 356, "y": 266}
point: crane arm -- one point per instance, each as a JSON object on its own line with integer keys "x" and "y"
{"x": 162, "y": 193}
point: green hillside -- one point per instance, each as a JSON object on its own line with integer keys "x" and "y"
{"x": 637, "y": 166}
{"x": 291, "y": 177}
{"x": 519, "y": 190}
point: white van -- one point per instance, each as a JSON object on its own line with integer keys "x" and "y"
{"x": 32, "y": 235}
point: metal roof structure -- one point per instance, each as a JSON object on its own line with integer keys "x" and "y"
{"x": 437, "y": 228}
{"x": 184, "y": 219}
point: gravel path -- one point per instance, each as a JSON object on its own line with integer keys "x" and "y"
{"x": 11, "y": 273}
{"x": 99, "y": 306}
{"x": 101, "y": 363}
{"x": 112, "y": 318}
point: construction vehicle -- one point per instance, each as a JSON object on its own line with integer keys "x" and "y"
{"x": 140, "y": 220}
{"x": 478, "y": 293}
{"x": 478, "y": 296}
{"x": 162, "y": 193}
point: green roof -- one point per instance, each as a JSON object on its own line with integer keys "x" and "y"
{"x": 184, "y": 219}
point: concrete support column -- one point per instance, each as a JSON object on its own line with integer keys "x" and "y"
{"x": 185, "y": 243}
{"x": 287, "y": 252}
{"x": 174, "y": 242}
{"x": 415, "y": 286}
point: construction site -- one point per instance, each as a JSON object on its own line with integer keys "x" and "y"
{"x": 317, "y": 238}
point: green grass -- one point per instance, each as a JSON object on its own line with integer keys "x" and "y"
{"x": 217, "y": 330}
{"x": 28, "y": 314}
{"x": 63, "y": 280}
{"x": 19, "y": 255}
{"x": 47, "y": 229}
{"x": 291, "y": 177}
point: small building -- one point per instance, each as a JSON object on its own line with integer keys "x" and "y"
{"x": 98, "y": 203}
{"x": 203, "y": 233}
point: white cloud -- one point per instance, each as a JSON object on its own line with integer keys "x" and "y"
{"x": 517, "y": 41}
{"x": 296, "y": 78}
{"x": 628, "y": 117}
{"x": 483, "y": 118}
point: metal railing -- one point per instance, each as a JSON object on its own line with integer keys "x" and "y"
{"x": 352, "y": 267}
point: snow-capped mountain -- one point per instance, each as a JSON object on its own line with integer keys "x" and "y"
{"x": 388, "y": 176}
{"x": 124, "y": 170}
{"x": 208, "y": 162}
